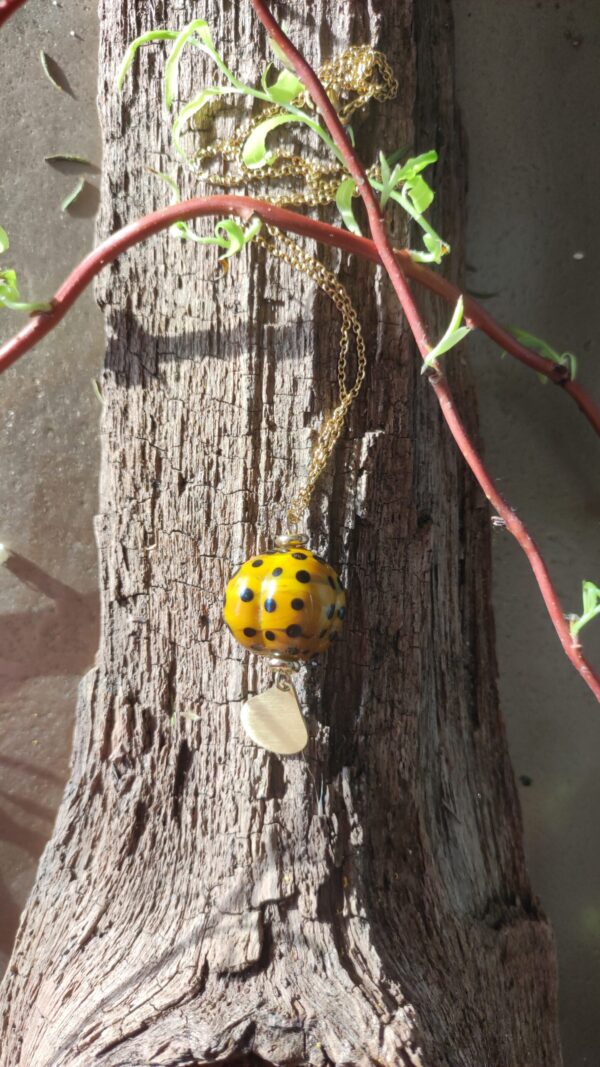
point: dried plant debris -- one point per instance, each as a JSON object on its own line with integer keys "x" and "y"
{"x": 73, "y": 195}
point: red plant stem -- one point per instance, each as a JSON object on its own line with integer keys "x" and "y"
{"x": 457, "y": 428}
{"x": 8, "y": 8}
{"x": 148, "y": 225}
{"x": 479, "y": 317}
{"x": 396, "y": 264}
{"x": 245, "y": 207}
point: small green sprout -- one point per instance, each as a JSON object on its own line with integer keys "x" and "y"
{"x": 405, "y": 184}
{"x": 228, "y": 234}
{"x": 10, "y": 296}
{"x": 402, "y": 183}
{"x": 453, "y": 335}
{"x": 562, "y": 359}
{"x": 591, "y": 608}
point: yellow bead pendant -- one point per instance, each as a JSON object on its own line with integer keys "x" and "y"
{"x": 287, "y": 602}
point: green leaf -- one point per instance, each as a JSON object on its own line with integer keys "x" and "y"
{"x": 285, "y": 89}
{"x": 252, "y": 230}
{"x": 139, "y": 42}
{"x": 234, "y": 235}
{"x": 228, "y": 235}
{"x": 591, "y": 607}
{"x": 279, "y": 53}
{"x": 397, "y": 155}
{"x": 4, "y": 242}
{"x": 414, "y": 166}
{"x": 590, "y": 596}
{"x": 172, "y": 64}
{"x": 540, "y": 346}
{"x": 420, "y": 193}
{"x": 188, "y": 111}
{"x": 434, "y": 246}
{"x": 255, "y": 152}
{"x": 9, "y": 289}
{"x": 68, "y": 157}
{"x": 184, "y": 231}
{"x": 72, "y": 196}
{"x": 385, "y": 169}
{"x": 168, "y": 180}
{"x": 562, "y": 359}
{"x": 343, "y": 200}
{"x": 10, "y": 295}
{"x": 46, "y": 62}
{"x": 453, "y": 335}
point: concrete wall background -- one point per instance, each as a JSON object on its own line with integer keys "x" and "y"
{"x": 529, "y": 84}
{"x": 48, "y": 435}
{"x": 529, "y": 79}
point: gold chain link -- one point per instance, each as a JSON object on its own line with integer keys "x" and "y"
{"x": 284, "y": 248}
{"x": 358, "y": 75}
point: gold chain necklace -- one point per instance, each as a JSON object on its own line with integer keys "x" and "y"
{"x": 288, "y": 603}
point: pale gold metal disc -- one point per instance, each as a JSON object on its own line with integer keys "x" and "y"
{"x": 273, "y": 720}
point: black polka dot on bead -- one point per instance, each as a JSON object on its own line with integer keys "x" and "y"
{"x": 302, "y": 576}
{"x": 331, "y": 611}
{"x": 319, "y": 558}
{"x": 294, "y": 630}
{"x": 249, "y": 631}
{"x": 297, "y": 603}
{"x": 331, "y": 582}
{"x": 293, "y": 651}
{"x": 277, "y": 572}
{"x": 342, "y": 613}
{"x": 246, "y": 595}
{"x": 270, "y": 636}
{"x": 258, "y": 562}
{"x": 270, "y": 604}
{"x": 299, "y": 555}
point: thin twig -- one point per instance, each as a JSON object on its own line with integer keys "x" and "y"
{"x": 457, "y": 428}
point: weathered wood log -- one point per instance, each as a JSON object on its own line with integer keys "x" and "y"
{"x": 202, "y": 901}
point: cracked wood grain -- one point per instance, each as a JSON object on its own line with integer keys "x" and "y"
{"x": 202, "y": 901}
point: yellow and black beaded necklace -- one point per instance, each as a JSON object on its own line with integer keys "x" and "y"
{"x": 287, "y": 604}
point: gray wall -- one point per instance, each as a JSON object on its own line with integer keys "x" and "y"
{"x": 528, "y": 76}
{"x": 529, "y": 86}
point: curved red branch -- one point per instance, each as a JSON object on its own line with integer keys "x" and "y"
{"x": 8, "y": 8}
{"x": 457, "y": 428}
{"x": 148, "y": 225}
{"x": 397, "y": 265}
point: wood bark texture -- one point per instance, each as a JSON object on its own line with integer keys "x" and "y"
{"x": 201, "y": 901}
